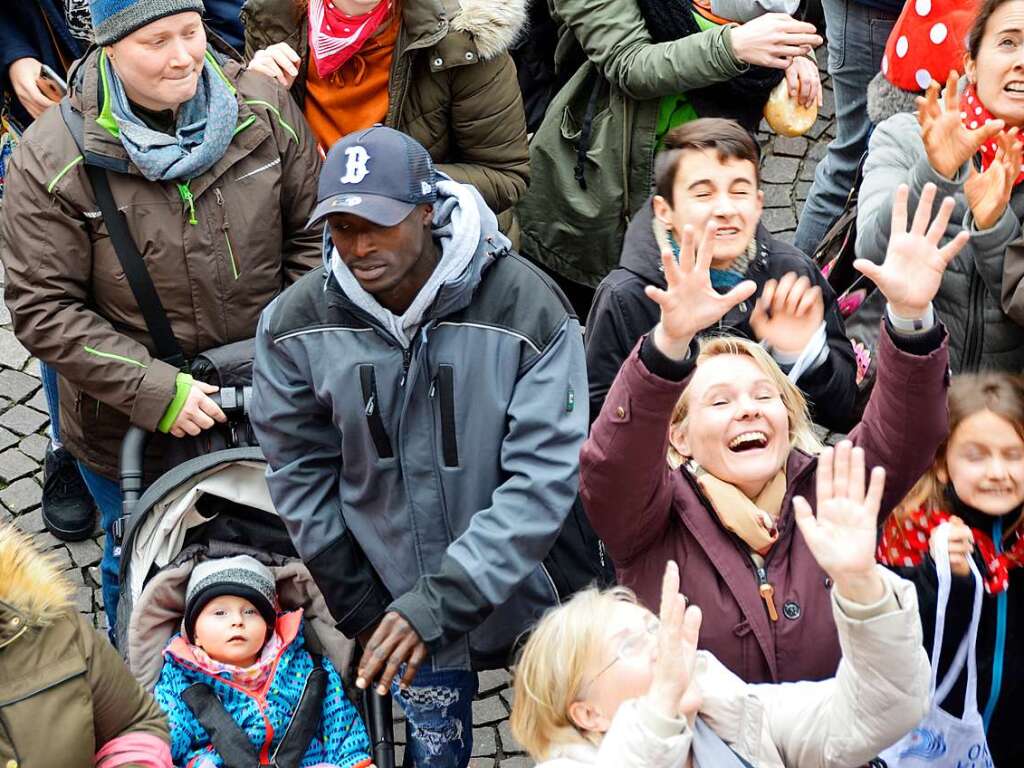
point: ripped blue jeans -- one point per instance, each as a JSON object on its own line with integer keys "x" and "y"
{"x": 438, "y": 711}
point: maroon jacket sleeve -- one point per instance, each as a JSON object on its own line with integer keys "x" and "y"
{"x": 906, "y": 418}
{"x": 625, "y": 480}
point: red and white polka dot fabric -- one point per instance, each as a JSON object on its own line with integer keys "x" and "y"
{"x": 974, "y": 115}
{"x": 904, "y": 543}
{"x": 929, "y": 40}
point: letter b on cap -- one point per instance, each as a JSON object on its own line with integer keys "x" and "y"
{"x": 355, "y": 168}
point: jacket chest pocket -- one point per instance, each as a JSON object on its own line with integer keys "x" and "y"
{"x": 48, "y": 715}
{"x": 443, "y": 391}
{"x": 372, "y": 411}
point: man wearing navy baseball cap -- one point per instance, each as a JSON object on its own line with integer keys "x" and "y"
{"x": 421, "y": 401}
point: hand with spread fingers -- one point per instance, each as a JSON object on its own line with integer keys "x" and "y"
{"x": 788, "y": 313}
{"x": 689, "y": 303}
{"x": 393, "y": 643}
{"x": 673, "y": 692}
{"x": 988, "y": 192}
{"x": 843, "y": 534}
{"x": 914, "y": 263}
{"x": 947, "y": 141}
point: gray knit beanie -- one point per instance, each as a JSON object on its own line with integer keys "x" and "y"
{"x": 113, "y": 20}
{"x": 240, "y": 576}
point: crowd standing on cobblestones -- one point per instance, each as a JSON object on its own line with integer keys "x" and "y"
{"x": 296, "y": 302}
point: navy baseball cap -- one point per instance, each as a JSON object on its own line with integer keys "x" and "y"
{"x": 378, "y": 174}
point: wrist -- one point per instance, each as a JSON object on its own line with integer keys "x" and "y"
{"x": 664, "y": 700}
{"x": 902, "y": 314}
{"x": 864, "y": 587}
{"x": 675, "y": 349}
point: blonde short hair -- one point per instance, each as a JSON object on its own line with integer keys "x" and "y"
{"x": 801, "y": 428}
{"x": 551, "y": 666}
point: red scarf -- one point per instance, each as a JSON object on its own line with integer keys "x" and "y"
{"x": 335, "y": 37}
{"x": 974, "y": 114}
{"x": 905, "y": 543}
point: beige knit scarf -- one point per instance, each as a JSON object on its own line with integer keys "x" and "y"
{"x": 753, "y": 520}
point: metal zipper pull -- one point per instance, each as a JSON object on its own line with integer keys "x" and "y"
{"x": 767, "y": 594}
{"x": 433, "y": 388}
{"x": 370, "y": 405}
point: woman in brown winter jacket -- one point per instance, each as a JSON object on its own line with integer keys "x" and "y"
{"x": 740, "y": 429}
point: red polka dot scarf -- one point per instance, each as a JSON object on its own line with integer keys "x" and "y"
{"x": 974, "y": 115}
{"x": 904, "y": 543}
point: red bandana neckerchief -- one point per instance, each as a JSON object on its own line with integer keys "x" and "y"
{"x": 974, "y": 115}
{"x": 335, "y": 37}
{"x": 905, "y": 543}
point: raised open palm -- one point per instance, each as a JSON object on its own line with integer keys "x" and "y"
{"x": 843, "y": 535}
{"x": 912, "y": 271}
{"x": 947, "y": 141}
{"x": 689, "y": 303}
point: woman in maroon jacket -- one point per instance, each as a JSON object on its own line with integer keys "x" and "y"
{"x": 739, "y": 430}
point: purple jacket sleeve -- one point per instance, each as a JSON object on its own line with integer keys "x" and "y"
{"x": 906, "y": 418}
{"x": 625, "y": 480}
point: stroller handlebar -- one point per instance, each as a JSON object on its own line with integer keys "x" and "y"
{"x": 234, "y": 401}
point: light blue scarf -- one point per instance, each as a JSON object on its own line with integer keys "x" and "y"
{"x": 205, "y": 126}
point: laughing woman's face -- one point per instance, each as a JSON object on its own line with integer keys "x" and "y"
{"x": 998, "y": 71}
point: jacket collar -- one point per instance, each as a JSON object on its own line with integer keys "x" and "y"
{"x": 646, "y": 236}
{"x": 90, "y": 95}
{"x": 13, "y": 624}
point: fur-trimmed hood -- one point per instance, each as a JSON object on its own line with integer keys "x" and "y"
{"x": 886, "y": 100}
{"x": 494, "y": 26}
{"x": 30, "y": 583}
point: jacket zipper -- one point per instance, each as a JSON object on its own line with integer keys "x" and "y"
{"x": 973, "y": 338}
{"x": 766, "y": 590}
{"x": 189, "y": 201}
{"x": 406, "y": 360}
{"x": 227, "y": 238}
{"x": 449, "y": 438}
{"x": 371, "y": 402}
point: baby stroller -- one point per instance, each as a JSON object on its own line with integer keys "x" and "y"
{"x": 216, "y": 504}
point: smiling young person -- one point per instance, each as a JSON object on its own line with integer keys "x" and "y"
{"x": 967, "y": 143}
{"x": 214, "y": 171}
{"x": 708, "y": 172}
{"x": 740, "y": 429}
{"x": 976, "y": 486}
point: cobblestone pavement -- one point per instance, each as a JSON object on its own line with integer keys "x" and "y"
{"x": 787, "y": 172}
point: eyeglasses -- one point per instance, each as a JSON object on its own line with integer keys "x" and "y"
{"x": 630, "y": 647}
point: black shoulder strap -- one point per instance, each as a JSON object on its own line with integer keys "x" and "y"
{"x": 305, "y": 721}
{"x": 167, "y": 347}
{"x": 230, "y": 741}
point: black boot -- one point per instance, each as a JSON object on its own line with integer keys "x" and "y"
{"x": 68, "y": 509}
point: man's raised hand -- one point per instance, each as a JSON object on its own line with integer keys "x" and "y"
{"x": 689, "y": 303}
{"x": 912, "y": 271}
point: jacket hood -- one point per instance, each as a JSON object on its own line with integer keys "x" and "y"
{"x": 886, "y": 100}
{"x": 30, "y": 582}
{"x": 494, "y": 26}
{"x": 646, "y": 238}
{"x": 467, "y": 235}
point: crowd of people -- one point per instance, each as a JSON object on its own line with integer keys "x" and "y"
{"x": 531, "y": 386}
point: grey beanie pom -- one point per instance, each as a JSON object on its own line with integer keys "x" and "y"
{"x": 113, "y": 20}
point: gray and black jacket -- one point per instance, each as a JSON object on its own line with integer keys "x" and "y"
{"x": 429, "y": 477}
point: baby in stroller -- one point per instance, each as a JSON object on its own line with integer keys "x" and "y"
{"x": 240, "y": 685}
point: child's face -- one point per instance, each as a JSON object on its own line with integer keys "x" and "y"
{"x": 622, "y": 669}
{"x": 708, "y": 189}
{"x": 985, "y": 463}
{"x": 231, "y": 631}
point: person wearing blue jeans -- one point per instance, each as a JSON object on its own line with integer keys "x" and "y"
{"x": 438, "y": 709}
{"x": 107, "y": 495}
{"x": 857, "y": 33}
